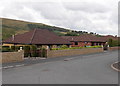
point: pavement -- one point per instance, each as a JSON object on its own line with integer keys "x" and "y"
{"x": 82, "y": 69}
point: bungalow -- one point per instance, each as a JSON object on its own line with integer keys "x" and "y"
{"x": 39, "y": 37}
{"x": 85, "y": 40}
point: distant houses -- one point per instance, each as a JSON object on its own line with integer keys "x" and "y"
{"x": 85, "y": 40}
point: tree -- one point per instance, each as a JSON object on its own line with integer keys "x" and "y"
{"x": 110, "y": 42}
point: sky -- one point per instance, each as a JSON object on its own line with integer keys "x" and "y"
{"x": 99, "y": 16}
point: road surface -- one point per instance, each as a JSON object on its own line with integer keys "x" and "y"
{"x": 83, "y": 69}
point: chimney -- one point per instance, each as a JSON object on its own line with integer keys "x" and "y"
{"x": 13, "y": 37}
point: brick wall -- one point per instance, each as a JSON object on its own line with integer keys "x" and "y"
{"x": 12, "y": 57}
{"x": 60, "y": 53}
{"x": 114, "y": 48}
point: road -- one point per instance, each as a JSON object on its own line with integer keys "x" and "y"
{"x": 83, "y": 69}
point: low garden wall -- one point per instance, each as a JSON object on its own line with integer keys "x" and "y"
{"x": 8, "y": 57}
{"x": 114, "y": 48}
{"x": 71, "y": 52}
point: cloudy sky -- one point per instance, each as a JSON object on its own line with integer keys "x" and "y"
{"x": 100, "y": 16}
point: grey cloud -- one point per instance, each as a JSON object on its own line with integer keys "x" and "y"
{"x": 49, "y": 10}
{"x": 88, "y": 16}
{"x": 91, "y": 7}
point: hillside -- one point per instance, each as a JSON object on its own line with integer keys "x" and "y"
{"x": 10, "y": 27}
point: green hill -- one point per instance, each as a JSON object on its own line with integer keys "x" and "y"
{"x": 10, "y": 27}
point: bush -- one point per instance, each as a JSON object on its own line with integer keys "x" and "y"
{"x": 76, "y": 48}
{"x": 110, "y": 42}
{"x": 113, "y": 43}
{"x": 44, "y": 53}
{"x": 26, "y": 51}
{"x": 33, "y": 49}
{"x": 94, "y": 47}
{"x": 6, "y": 49}
{"x": 64, "y": 46}
{"x": 12, "y": 48}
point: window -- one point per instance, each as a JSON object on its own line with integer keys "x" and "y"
{"x": 76, "y": 43}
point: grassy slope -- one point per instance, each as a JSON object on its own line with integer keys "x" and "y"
{"x": 10, "y": 27}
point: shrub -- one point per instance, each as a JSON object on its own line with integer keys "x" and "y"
{"x": 95, "y": 46}
{"x": 44, "y": 53}
{"x": 33, "y": 50}
{"x": 12, "y": 48}
{"x": 6, "y": 49}
{"x": 64, "y": 46}
{"x": 113, "y": 43}
{"x": 110, "y": 42}
{"x": 76, "y": 48}
{"x": 26, "y": 51}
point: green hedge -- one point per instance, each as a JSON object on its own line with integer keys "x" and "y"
{"x": 26, "y": 51}
{"x": 113, "y": 43}
{"x": 76, "y": 48}
{"x": 33, "y": 50}
{"x": 10, "y": 49}
{"x": 6, "y": 49}
{"x": 15, "y": 48}
{"x": 29, "y": 50}
{"x": 43, "y": 53}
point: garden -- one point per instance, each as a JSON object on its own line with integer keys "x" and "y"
{"x": 29, "y": 50}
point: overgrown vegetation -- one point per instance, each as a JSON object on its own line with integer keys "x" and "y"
{"x": 113, "y": 43}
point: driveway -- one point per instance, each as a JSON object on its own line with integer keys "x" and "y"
{"x": 83, "y": 69}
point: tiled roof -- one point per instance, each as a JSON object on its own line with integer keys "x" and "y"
{"x": 110, "y": 37}
{"x": 85, "y": 37}
{"x": 37, "y": 36}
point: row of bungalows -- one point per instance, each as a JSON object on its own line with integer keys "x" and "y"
{"x": 47, "y": 39}
{"x": 85, "y": 40}
{"x": 39, "y": 37}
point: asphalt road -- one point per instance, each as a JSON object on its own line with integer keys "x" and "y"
{"x": 83, "y": 69}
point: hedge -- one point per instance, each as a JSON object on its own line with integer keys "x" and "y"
{"x": 43, "y": 53}
{"x": 113, "y": 43}
{"x": 76, "y": 48}
{"x": 26, "y": 51}
{"x": 33, "y": 50}
{"x": 6, "y": 49}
